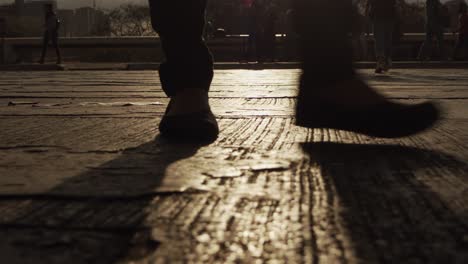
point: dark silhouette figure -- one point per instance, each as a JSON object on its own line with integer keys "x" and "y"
{"x": 256, "y": 28}
{"x": 291, "y": 38}
{"x": 359, "y": 28}
{"x": 51, "y": 26}
{"x": 383, "y": 15}
{"x": 434, "y": 28}
{"x": 331, "y": 95}
{"x": 461, "y": 49}
{"x": 269, "y": 33}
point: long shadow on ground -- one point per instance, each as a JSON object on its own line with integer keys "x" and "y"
{"x": 98, "y": 225}
{"x": 399, "y": 204}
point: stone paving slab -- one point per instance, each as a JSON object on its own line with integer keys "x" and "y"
{"x": 85, "y": 178}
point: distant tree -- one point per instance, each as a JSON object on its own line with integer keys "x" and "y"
{"x": 130, "y": 20}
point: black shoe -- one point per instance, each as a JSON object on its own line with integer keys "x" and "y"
{"x": 378, "y": 70}
{"x": 387, "y": 120}
{"x": 200, "y": 126}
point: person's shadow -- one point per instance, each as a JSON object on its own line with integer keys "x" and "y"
{"x": 98, "y": 216}
{"x": 398, "y": 204}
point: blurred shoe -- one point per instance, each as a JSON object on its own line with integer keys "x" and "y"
{"x": 380, "y": 65}
{"x": 200, "y": 126}
{"x": 388, "y": 65}
{"x": 383, "y": 119}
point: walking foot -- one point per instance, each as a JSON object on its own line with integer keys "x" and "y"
{"x": 358, "y": 108}
{"x": 380, "y": 65}
{"x": 189, "y": 117}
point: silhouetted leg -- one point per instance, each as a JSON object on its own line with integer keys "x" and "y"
{"x": 440, "y": 42}
{"x": 380, "y": 44}
{"x": 251, "y": 49}
{"x": 331, "y": 95}
{"x": 389, "y": 28}
{"x": 322, "y": 26}
{"x": 45, "y": 44}
{"x": 426, "y": 47}
{"x": 459, "y": 47}
{"x": 57, "y": 48}
{"x": 187, "y": 73}
{"x": 260, "y": 47}
{"x": 180, "y": 26}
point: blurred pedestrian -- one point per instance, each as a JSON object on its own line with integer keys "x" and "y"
{"x": 358, "y": 34}
{"x": 291, "y": 38}
{"x": 268, "y": 45}
{"x": 435, "y": 16}
{"x": 383, "y": 14}
{"x": 51, "y": 27}
{"x": 209, "y": 31}
{"x": 255, "y": 30}
{"x": 461, "y": 49}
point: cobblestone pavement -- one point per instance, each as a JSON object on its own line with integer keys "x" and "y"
{"x": 85, "y": 178}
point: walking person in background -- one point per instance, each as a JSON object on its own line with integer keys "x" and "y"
{"x": 461, "y": 49}
{"x": 383, "y": 14}
{"x": 269, "y": 33}
{"x": 358, "y": 34}
{"x": 291, "y": 38}
{"x": 256, "y": 31}
{"x": 51, "y": 27}
{"x": 434, "y": 28}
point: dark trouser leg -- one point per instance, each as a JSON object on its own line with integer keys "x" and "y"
{"x": 461, "y": 50}
{"x": 188, "y": 71}
{"x": 379, "y": 39}
{"x": 383, "y": 37}
{"x": 389, "y": 27}
{"x": 189, "y": 64}
{"x": 45, "y": 43}
{"x": 426, "y": 47}
{"x": 251, "y": 42}
{"x": 380, "y": 43}
{"x": 259, "y": 46}
{"x": 440, "y": 42}
{"x": 458, "y": 47}
{"x": 56, "y": 46}
{"x": 323, "y": 27}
